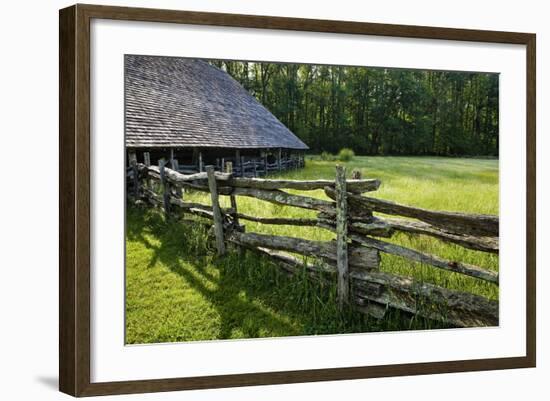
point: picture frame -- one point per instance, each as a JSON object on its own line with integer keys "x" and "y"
{"x": 75, "y": 200}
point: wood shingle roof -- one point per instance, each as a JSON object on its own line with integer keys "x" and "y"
{"x": 178, "y": 102}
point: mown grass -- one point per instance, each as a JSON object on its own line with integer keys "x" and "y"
{"x": 178, "y": 291}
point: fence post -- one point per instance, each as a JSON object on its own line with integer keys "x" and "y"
{"x": 232, "y": 198}
{"x": 133, "y": 163}
{"x": 217, "y": 213}
{"x": 147, "y": 162}
{"x": 165, "y": 188}
{"x": 342, "y": 237}
{"x": 177, "y": 189}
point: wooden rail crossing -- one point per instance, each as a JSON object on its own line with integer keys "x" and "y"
{"x": 352, "y": 260}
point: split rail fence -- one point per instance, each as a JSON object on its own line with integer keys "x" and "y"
{"x": 354, "y": 256}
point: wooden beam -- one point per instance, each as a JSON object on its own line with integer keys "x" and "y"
{"x": 232, "y": 198}
{"x": 433, "y": 260}
{"x": 342, "y": 237}
{"x": 178, "y": 177}
{"x": 461, "y": 223}
{"x": 457, "y": 308}
{"x": 360, "y": 257}
{"x": 135, "y": 175}
{"x": 356, "y": 186}
{"x": 278, "y": 220}
{"x": 375, "y": 228}
{"x": 283, "y": 198}
{"x": 147, "y": 161}
{"x": 131, "y": 156}
{"x": 165, "y": 188}
{"x": 484, "y": 244}
{"x": 217, "y": 214}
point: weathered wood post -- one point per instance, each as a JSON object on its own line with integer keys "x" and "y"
{"x": 177, "y": 189}
{"x": 147, "y": 162}
{"x": 265, "y": 163}
{"x": 201, "y": 166}
{"x": 195, "y": 158}
{"x": 232, "y": 198}
{"x": 217, "y": 213}
{"x": 133, "y": 163}
{"x": 242, "y": 166}
{"x": 165, "y": 188}
{"x": 279, "y": 159}
{"x": 342, "y": 236}
{"x": 131, "y": 156}
{"x": 172, "y": 158}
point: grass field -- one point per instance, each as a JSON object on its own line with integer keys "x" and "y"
{"x": 178, "y": 291}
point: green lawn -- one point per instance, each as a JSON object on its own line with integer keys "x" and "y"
{"x": 178, "y": 291}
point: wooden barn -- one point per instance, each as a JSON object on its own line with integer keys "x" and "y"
{"x": 194, "y": 114}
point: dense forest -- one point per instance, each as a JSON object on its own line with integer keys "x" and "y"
{"x": 378, "y": 111}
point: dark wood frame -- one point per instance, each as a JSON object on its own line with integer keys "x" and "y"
{"x": 74, "y": 199}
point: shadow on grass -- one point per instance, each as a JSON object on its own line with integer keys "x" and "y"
{"x": 183, "y": 248}
{"x": 251, "y": 297}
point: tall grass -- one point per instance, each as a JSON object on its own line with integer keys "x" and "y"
{"x": 346, "y": 155}
{"x": 177, "y": 291}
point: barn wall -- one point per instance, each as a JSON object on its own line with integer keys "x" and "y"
{"x": 188, "y": 158}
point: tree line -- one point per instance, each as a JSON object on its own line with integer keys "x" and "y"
{"x": 378, "y": 111}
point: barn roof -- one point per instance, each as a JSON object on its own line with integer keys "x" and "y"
{"x": 178, "y": 102}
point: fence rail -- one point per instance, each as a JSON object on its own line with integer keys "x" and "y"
{"x": 354, "y": 257}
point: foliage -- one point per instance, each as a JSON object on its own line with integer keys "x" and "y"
{"x": 177, "y": 290}
{"x": 378, "y": 111}
{"x": 326, "y": 156}
{"x": 346, "y": 154}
